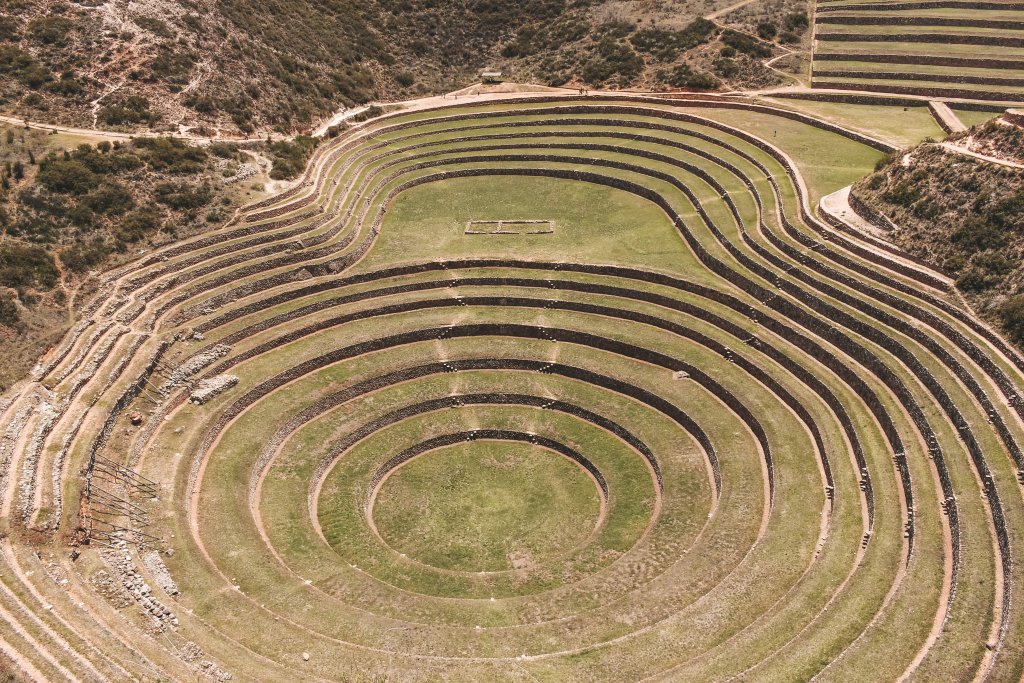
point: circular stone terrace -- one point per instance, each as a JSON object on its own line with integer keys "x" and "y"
{"x": 686, "y": 431}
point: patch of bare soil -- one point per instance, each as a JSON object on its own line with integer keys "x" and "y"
{"x": 994, "y": 139}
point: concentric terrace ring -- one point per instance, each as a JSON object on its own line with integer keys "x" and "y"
{"x": 771, "y": 448}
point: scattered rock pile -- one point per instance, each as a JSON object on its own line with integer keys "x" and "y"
{"x": 207, "y": 389}
{"x": 119, "y": 559}
{"x": 191, "y": 366}
{"x": 158, "y": 569}
{"x": 193, "y": 654}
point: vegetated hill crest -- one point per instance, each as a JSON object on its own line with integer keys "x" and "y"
{"x": 250, "y": 66}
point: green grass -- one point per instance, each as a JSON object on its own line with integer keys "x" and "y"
{"x": 937, "y": 49}
{"x": 827, "y": 162}
{"x": 825, "y": 64}
{"x": 974, "y": 118}
{"x": 1008, "y": 92}
{"x": 487, "y": 506}
{"x": 914, "y": 30}
{"x": 950, "y": 12}
{"x": 593, "y": 224}
{"x": 902, "y": 126}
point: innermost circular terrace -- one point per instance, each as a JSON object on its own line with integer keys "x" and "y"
{"x": 487, "y": 506}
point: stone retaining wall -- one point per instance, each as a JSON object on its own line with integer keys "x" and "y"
{"x": 910, "y": 76}
{"x": 925, "y": 60}
{"x": 911, "y": 20}
{"x": 930, "y": 38}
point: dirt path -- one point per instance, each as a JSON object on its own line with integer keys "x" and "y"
{"x": 113, "y": 135}
{"x": 945, "y": 117}
{"x": 838, "y": 205}
{"x": 718, "y": 14}
{"x": 474, "y": 93}
{"x": 957, "y": 149}
{"x": 342, "y": 115}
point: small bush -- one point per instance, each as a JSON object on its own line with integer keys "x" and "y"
{"x": 796, "y": 22}
{"x": 651, "y": 39}
{"x": 702, "y": 81}
{"x": 171, "y": 155}
{"x": 903, "y": 193}
{"x": 766, "y": 30}
{"x": 1008, "y": 214}
{"x": 336, "y": 130}
{"x": 977, "y": 234}
{"x": 677, "y": 76}
{"x": 137, "y": 225}
{"x": 68, "y": 85}
{"x": 371, "y": 112}
{"x": 132, "y": 110}
{"x": 727, "y": 68}
{"x": 290, "y": 157}
{"x": 172, "y": 67}
{"x": 746, "y": 44}
{"x": 66, "y": 176}
{"x": 617, "y": 28}
{"x": 683, "y": 76}
{"x": 194, "y": 22}
{"x": 1012, "y": 315}
{"x": 224, "y": 150}
{"x": 986, "y": 271}
{"x": 111, "y": 199}
{"x": 153, "y": 25}
{"x": 27, "y": 266}
{"x": 665, "y": 45}
{"x": 21, "y": 65}
{"x": 613, "y": 60}
{"x": 82, "y": 256}
{"x": 8, "y": 311}
{"x": 9, "y": 29}
{"x": 50, "y": 30}
{"x": 204, "y": 104}
{"x": 181, "y": 196}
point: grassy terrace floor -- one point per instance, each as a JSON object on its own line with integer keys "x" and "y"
{"x": 691, "y": 434}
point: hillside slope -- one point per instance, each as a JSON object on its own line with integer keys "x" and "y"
{"x": 249, "y": 66}
{"x": 962, "y": 214}
{"x": 70, "y": 209}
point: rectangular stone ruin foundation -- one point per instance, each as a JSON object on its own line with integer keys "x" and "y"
{"x": 511, "y": 227}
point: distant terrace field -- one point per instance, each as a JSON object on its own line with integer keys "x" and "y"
{"x": 939, "y": 48}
